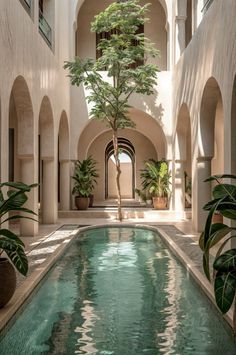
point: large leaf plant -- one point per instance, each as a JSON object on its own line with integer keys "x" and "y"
{"x": 11, "y": 208}
{"x": 219, "y": 235}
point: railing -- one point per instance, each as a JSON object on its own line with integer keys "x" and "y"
{"x": 45, "y": 29}
{"x": 28, "y": 3}
{"x": 206, "y": 6}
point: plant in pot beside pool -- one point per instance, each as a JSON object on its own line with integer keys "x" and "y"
{"x": 219, "y": 235}
{"x": 156, "y": 181}
{"x": 11, "y": 246}
{"x": 85, "y": 177}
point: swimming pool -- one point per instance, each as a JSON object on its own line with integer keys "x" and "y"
{"x": 118, "y": 291}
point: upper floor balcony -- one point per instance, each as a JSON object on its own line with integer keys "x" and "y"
{"x": 207, "y": 4}
{"x": 45, "y": 29}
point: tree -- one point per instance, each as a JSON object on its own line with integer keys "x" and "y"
{"x": 123, "y": 54}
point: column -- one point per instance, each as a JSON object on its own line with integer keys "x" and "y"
{"x": 49, "y": 192}
{"x": 179, "y": 186}
{"x": 201, "y": 192}
{"x": 65, "y": 185}
{"x": 27, "y": 226}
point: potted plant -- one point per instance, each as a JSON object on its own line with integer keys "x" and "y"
{"x": 11, "y": 246}
{"x": 85, "y": 177}
{"x": 156, "y": 181}
{"x": 219, "y": 235}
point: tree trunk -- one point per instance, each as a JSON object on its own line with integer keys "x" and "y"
{"x": 118, "y": 172}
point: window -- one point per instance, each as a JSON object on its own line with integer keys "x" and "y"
{"x": 107, "y": 35}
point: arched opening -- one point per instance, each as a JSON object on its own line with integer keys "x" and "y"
{"x": 47, "y": 164}
{"x": 183, "y": 160}
{"x": 155, "y": 29}
{"x": 127, "y": 163}
{"x": 211, "y": 145}
{"x": 22, "y": 159}
{"x": 63, "y": 164}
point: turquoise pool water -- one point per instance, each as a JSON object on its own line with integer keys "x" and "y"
{"x": 118, "y": 291}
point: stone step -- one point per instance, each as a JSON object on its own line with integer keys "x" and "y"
{"x": 128, "y": 213}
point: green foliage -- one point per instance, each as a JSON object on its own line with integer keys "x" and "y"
{"x": 110, "y": 95}
{"x": 219, "y": 235}
{"x": 10, "y": 243}
{"x": 156, "y": 178}
{"x": 85, "y": 177}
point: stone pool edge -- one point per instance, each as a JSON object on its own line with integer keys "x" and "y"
{"x": 30, "y": 283}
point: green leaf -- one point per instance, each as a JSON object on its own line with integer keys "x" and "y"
{"x": 10, "y": 235}
{"x": 224, "y": 288}
{"x": 224, "y": 190}
{"x": 226, "y": 262}
{"x": 16, "y": 254}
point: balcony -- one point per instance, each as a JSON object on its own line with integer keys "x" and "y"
{"x": 45, "y": 29}
{"x": 206, "y": 6}
{"x": 27, "y": 4}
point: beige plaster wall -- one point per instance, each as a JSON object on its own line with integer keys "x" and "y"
{"x": 125, "y": 180}
{"x": 209, "y": 54}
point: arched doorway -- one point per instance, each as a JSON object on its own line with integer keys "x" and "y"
{"x": 183, "y": 160}
{"x": 63, "y": 164}
{"x": 127, "y": 163}
{"x": 210, "y": 159}
{"x": 47, "y": 164}
{"x": 155, "y": 29}
{"x": 22, "y": 156}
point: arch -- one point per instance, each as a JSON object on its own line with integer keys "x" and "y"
{"x": 155, "y": 29}
{"x": 183, "y": 159}
{"x": 63, "y": 135}
{"x": 143, "y": 147}
{"x": 127, "y": 147}
{"x": 211, "y": 103}
{"x": 210, "y": 160}
{"x": 22, "y": 158}
{"x": 63, "y": 163}
{"x": 21, "y": 117}
{"x": 46, "y": 129}
{"x": 145, "y": 124}
{"x": 47, "y": 164}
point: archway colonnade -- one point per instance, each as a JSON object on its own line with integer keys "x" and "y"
{"x": 38, "y": 153}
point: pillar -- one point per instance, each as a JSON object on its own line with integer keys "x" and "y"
{"x": 179, "y": 186}
{"x": 27, "y": 226}
{"x": 179, "y": 36}
{"x": 64, "y": 185}
{"x": 201, "y": 192}
{"x": 49, "y": 192}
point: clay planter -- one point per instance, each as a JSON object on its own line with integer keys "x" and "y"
{"x": 160, "y": 203}
{"x": 217, "y": 218}
{"x": 7, "y": 281}
{"x": 82, "y": 203}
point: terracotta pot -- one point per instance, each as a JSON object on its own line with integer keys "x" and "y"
{"x": 82, "y": 203}
{"x": 160, "y": 203}
{"x": 7, "y": 281}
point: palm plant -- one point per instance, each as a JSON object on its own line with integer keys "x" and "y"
{"x": 156, "y": 178}
{"x": 85, "y": 177}
{"x": 10, "y": 243}
{"x": 219, "y": 235}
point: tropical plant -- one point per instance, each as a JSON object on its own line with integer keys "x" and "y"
{"x": 85, "y": 177}
{"x": 156, "y": 178}
{"x": 121, "y": 49}
{"x": 219, "y": 235}
{"x": 10, "y": 243}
